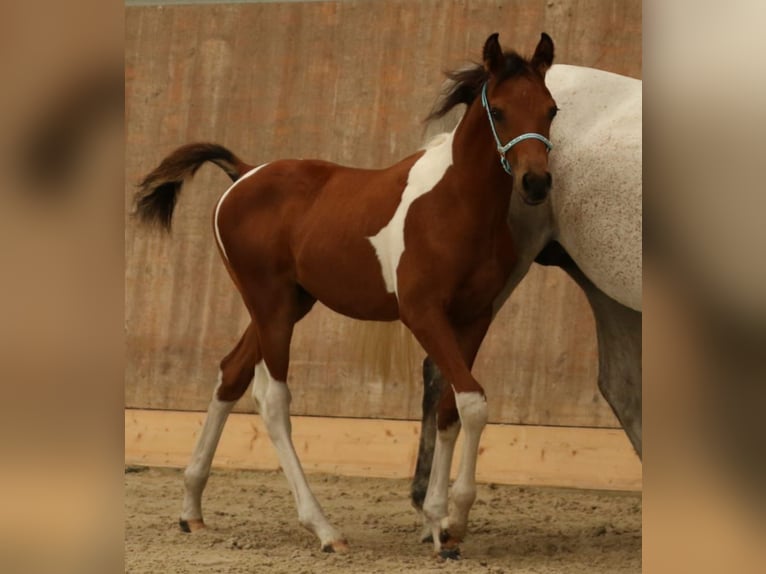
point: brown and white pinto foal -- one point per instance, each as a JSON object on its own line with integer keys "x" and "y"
{"x": 425, "y": 241}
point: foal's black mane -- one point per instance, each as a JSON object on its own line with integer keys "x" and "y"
{"x": 465, "y": 84}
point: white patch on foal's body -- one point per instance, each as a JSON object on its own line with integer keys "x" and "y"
{"x": 423, "y": 177}
{"x": 220, "y": 201}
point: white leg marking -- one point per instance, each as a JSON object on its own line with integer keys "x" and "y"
{"x": 435, "y": 504}
{"x": 198, "y": 470}
{"x": 273, "y": 400}
{"x": 423, "y": 176}
{"x": 473, "y": 416}
{"x": 220, "y": 201}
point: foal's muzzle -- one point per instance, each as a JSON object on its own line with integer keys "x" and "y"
{"x": 535, "y": 187}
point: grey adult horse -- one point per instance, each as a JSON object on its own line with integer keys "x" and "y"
{"x": 591, "y": 228}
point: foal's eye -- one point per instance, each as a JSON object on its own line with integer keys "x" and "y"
{"x": 497, "y": 115}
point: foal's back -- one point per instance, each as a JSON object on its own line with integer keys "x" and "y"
{"x": 320, "y": 215}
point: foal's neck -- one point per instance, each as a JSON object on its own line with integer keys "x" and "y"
{"x": 479, "y": 173}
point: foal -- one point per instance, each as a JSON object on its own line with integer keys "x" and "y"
{"x": 425, "y": 241}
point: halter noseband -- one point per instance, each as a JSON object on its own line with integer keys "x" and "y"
{"x": 503, "y": 149}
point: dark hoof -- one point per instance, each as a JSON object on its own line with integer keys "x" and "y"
{"x": 450, "y": 553}
{"x": 191, "y": 525}
{"x": 339, "y": 546}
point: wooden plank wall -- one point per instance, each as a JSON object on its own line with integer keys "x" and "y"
{"x": 569, "y": 457}
{"x": 348, "y": 82}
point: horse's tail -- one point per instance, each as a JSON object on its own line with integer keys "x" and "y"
{"x": 158, "y": 192}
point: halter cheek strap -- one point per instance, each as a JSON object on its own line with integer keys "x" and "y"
{"x": 503, "y": 149}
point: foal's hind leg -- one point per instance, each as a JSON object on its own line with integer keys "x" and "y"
{"x": 276, "y": 317}
{"x": 432, "y": 389}
{"x": 235, "y": 376}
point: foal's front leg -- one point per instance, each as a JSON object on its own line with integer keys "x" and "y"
{"x": 453, "y": 349}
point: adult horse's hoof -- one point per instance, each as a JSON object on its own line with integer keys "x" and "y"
{"x": 191, "y": 525}
{"x": 339, "y": 546}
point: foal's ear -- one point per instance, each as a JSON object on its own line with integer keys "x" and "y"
{"x": 493, "y": 54}
{"x": 543, "y": 58}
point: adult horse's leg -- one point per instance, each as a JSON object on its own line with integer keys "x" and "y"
{"x": 277, "y": 311}
{"x": 453, "y": 349}
{"x": 618, "y": 329}
{"x": 236, "y": 373}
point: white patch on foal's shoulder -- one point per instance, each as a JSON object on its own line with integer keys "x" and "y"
{"x": 437, "y": 140}
{"x": 220, "y": 201}
{"x": 424, "y": 175}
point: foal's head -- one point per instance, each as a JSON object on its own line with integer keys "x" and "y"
{"x": 520, "y": 106}
{"x": 517, "y": 106}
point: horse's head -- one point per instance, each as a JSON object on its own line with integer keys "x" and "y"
{"x": 520, "y": 110}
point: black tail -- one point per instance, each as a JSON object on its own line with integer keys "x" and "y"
{"x": 158, "y": 192}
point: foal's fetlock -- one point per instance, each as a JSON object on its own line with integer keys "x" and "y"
{"x": 453, "y": 533}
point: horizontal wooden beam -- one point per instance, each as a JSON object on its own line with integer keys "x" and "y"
{"x": 509, "y": 454}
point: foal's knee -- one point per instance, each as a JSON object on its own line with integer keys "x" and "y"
{"x": 472, "y": 407}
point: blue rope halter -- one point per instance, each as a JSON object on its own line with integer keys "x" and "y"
{"x": 503, "y": 149}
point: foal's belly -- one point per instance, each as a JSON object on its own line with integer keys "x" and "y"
{"x": 345, "y": 276}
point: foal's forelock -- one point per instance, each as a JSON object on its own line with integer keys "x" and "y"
{"x": 463, "y": 85}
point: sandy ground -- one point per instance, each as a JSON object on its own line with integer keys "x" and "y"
{"x": 253, "y": 527}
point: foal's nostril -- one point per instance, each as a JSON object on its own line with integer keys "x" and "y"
{"x": 536, "y": 186}
{"x": 537, "y": 183}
